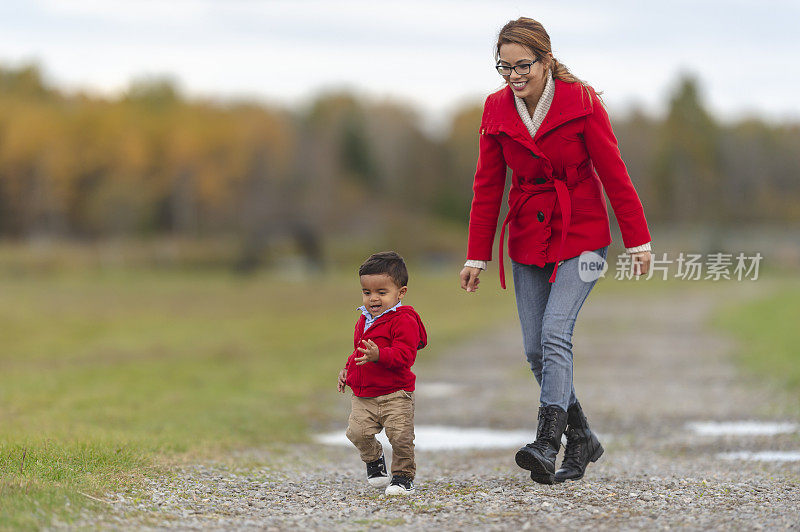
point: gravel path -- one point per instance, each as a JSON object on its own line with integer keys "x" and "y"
{"x": 642, "y": 376}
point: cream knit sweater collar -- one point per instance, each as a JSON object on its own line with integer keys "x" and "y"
{"x": 533, "y": 122}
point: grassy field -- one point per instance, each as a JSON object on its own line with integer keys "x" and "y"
{"x": 768, "y": 333}
{"x": 109, "y": 377}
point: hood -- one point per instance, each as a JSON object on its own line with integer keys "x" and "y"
{"x": 423, "y": 334}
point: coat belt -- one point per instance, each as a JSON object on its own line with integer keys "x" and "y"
{"x": 528, "y": 191}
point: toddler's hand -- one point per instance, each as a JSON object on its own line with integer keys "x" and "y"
{"x": 370, "y": 353}
{"x": 342, "y": 380}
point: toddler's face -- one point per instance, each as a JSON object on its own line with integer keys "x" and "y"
{"x": 380, "y": 293}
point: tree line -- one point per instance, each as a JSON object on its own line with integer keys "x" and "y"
{"x": 151, "y": 161}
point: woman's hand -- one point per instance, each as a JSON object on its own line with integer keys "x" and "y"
{"x": 641, "y": 262}
{"x": 469, "y": 278}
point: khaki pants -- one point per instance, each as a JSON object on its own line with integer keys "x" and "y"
{"x": 393, "y": 412}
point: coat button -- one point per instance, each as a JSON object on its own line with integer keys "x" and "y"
{"x": 540, "y": 181}
{"x": 540, "y": 216}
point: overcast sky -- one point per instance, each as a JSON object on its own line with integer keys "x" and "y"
{"x": 436, "y": 54}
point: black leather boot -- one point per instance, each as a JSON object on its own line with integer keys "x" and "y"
{"x": 539, "y": 457}
{"x": 582, "y": 446}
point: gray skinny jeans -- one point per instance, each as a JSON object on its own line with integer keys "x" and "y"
{"x": 547, "y": 314}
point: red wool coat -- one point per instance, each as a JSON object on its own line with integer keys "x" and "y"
{"x": 398, "y": 335}
{"x": 556, "y": 204}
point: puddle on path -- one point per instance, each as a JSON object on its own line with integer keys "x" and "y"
{"x": 437, "y": 437}
{"x": 762, "y": 456}
{"x": 741, "y": 428}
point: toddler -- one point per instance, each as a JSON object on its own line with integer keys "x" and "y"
{"x": 387, "y": 337}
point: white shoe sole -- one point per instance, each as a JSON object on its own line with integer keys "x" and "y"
{"x": 379, "y": 482}
{"x": 398, "y": 490}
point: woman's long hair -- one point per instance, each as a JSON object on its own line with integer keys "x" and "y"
{"x": 532, "y": 35}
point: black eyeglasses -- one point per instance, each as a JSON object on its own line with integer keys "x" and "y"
{"x": 524, "y": 68}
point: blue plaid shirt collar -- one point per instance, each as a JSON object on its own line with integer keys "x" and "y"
{"x": 370, "y": 319}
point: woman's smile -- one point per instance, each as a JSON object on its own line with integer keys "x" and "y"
{"x": 523, "y": 70}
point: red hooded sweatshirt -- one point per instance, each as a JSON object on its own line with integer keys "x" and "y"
{"x": 398, "y": 335}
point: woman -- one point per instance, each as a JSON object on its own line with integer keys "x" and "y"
{"x": 552, "y": 130}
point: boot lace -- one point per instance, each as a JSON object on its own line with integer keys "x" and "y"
{"x": 549, "y": 424}
{"x": 546, "y": 430}
{"x": 574, "y": 449}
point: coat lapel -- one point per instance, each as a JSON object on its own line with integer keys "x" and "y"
{"x": 504, "y": 117}
{"x": 568, "y": 104}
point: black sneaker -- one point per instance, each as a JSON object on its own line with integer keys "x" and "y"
{"x": 400, "y": 486}
{"x": 376, "y": 473}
